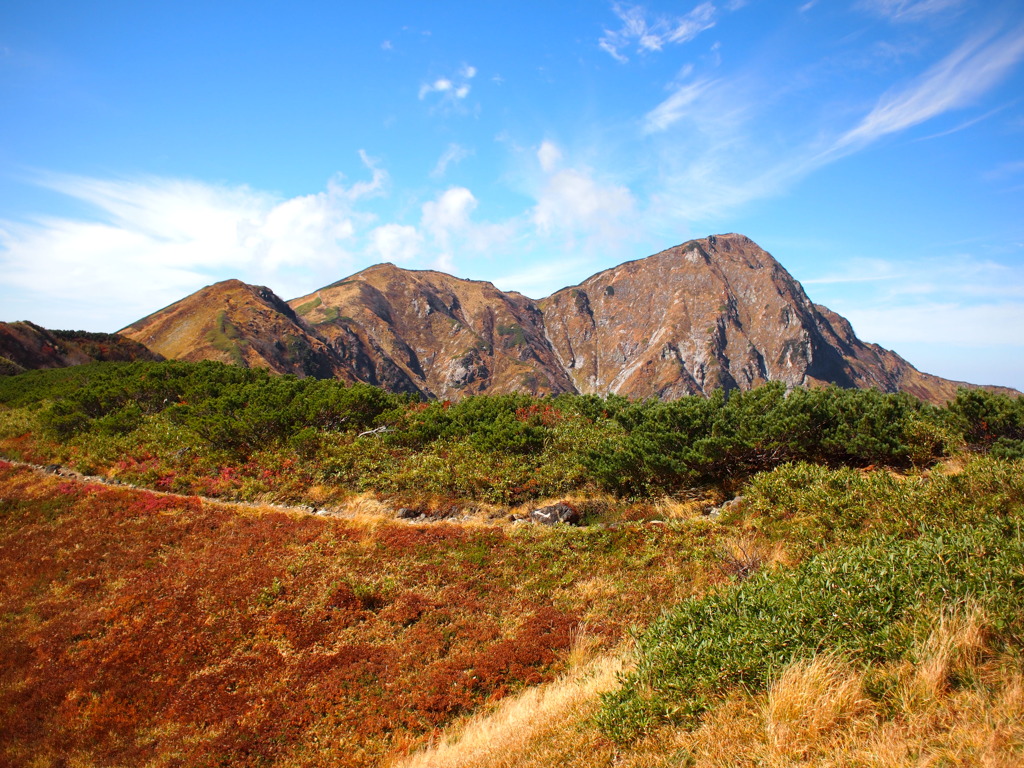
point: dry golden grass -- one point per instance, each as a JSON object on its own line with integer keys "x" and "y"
{"x": 539, "y": 727}
{"x": 668, "y": 508}
{"x": 956, "y": 705}
{"x": 811, "y": 701}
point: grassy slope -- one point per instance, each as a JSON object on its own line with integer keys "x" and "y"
{"x": 901, "y": 646}
{"x": 140, "y": 629}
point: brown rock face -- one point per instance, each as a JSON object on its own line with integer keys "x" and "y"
{"x": 26, "y": 345}
{"x": 444, "y": 336}
{"x": 716, "y": 312}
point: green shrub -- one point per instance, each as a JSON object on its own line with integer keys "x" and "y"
{"x": 864, "y": 602}
{"x": 810, "y": 506}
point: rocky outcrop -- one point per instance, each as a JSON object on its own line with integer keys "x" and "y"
{"x": 716, "y": 312}
{"x": 444, "y": 336}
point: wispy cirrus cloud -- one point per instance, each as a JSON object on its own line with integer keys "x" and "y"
{"x": 453, "y": 153}
{"x": 676, "y": 106}
{"x": 648, "y": 34}
{"x": 954, "y": 82}
{"x": 721, "y": 144}
{"x": 150, "y": 240}
{"x": 909, "y": 10}
{"x": 955, "y": 298}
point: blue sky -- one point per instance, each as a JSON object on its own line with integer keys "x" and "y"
{"x": 875, "y": 147}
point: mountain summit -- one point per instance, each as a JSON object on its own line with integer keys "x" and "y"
{"x": 715, "y": 312}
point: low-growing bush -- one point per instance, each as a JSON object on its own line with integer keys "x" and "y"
{"x": 863, "y": 602}
{"x": 811, "y": 506}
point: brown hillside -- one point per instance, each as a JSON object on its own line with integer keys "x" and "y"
{"x": 447, "y": 336}
{"x": 25, "y": 345}
{"x": 234, "y": 322}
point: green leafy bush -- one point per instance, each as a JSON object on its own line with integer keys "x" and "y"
{"x": 864, "y": 602}
{"x": 811, "y": 506}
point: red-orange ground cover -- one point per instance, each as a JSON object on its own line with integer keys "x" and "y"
{"x": 143, "y": 629}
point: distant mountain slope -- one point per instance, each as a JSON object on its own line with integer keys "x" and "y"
{"x": 714, "y": 312}
{"x": 25, "y": 345}
{"x": 234, "y": 322}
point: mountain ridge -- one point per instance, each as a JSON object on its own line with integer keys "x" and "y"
{"x": 712, "y": 312}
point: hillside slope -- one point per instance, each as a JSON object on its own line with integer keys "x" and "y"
{"x": 234, "y": 322}
{"x": 26, "y": 345}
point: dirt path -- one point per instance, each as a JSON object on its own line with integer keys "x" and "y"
{"x": 380, "y": 510}
{"x": 58, "y": 470}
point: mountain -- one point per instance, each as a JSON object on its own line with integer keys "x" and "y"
{"x": 24, "y": 345}
{"x": 437, "y": 334}
{"x": 714, "y": 312}
{"x": 234, "y": 322}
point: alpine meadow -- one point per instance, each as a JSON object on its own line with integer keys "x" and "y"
{"x": 608, "y": 384}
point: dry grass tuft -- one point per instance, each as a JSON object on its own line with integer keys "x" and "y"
{"x": 954, "y": 648}
{"x": 743, "y": 555}
{"x": 366, "y": 506}
{"x": 957, "y": 705}
{"x": 810, "y": 702}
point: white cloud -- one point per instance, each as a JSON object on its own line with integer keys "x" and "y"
{"x": 395, "y": 242}
{"x": 955, "y": 82}
{"x": 441, "y": 85}
{"x": 549, "y": 156}
{"x": 453, "y": 153}
{"x": 545, "y": 278}
{"x": 573, "y": 201}
{"x": 153, "y": 240}
{"x": 718, "y": 145}
{"x": 454, "y": 88}
{"x": 448, "y": 213}
{"x": 655, "y": 34}
{"x": 448, "y": 223}
{"x": 982, "y": 325}
{"x": 958, "y": 298}
{"x": 672, "y": 109}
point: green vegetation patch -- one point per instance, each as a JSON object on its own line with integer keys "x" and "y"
{"x": 329, "y": 315}
{"x": 192, "y": 419}
{"x": 512, "y": 335}
{"x": 864, "y": 601}
{"x": 309, "y": 306}
{"x": 225, "y": 337}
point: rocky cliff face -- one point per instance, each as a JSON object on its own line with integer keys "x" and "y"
{"x": 25, "y": 345}
{"x": 715, "y": 312}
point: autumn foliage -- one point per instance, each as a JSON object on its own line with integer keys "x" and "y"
{"x": 144, "y": 629}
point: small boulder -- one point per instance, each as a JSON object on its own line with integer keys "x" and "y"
{"x": 556, "y": 513}
{"x": 405, "y": 513}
